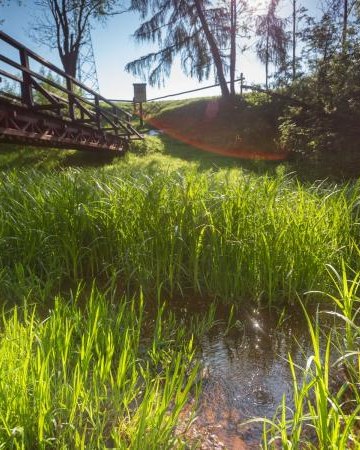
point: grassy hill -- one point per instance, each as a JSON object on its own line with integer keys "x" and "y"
{"x": 249, "y": 131}
{"x": 207, "y": 133}
{"x": 246, "y": 129}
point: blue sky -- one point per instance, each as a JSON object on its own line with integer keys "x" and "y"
{"x": 114, "y": 47}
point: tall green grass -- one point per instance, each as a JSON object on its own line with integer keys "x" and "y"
{"x": 92, "y": 372}
{"x": 84, "y": 373}
{"x": 326, "y": 398}
{"x": 226, "y": 234}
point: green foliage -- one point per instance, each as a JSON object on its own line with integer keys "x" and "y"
{"x": 326, "y": 390}
{"x": 93, "y": 376}
{"x": 327, "y": 120}
{"x": 257, "y": 98}
{"x": 148, "y": 146}
{"x": 226, "y": 234}
{"x": 327, "y": 116}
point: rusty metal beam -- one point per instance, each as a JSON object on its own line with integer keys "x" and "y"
{"x": 72, "y": 119}
{"x": 35, "y": 128}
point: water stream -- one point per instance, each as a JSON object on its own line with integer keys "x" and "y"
{"x": 245, "y": 375}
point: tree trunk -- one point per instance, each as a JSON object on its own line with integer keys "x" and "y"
{"x": 267, "y": 61}
{"x": 233, "y": 26}
{"x": 294, "y": 42}
{"x": 214, "y": 49}
{"x": 69, "y": 62}
{"x": 345, "y": 25}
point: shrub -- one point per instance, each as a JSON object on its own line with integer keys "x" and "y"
{"x": 150, "y": 145}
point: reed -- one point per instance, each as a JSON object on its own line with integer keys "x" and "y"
{"x": 81, "y": 373}
{"x": 94, "y": 376}
{"x": 325, "y": 413}
{"x": 228, "y": 234}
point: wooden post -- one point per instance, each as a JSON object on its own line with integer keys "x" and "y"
{"x": 69, "y": 87}
{"x": 242, "y": 78}
{"x": 141, "y": 115}
{"x": 26, "y": 91}
{"x": 97, "y": 112}
{"x": 117, "y": 119}
{"x": 115, "y": 112}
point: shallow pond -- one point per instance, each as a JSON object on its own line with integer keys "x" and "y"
{"x": 245, "y": 375}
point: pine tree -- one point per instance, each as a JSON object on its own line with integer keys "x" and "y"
{"x": 272, "y": 44}
{"x": 298, "y": 15}
{"x": 192, "y": 30}
{"x": 199, "y": 32}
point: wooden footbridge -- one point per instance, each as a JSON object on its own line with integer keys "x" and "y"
{"x": 41, "y": 105}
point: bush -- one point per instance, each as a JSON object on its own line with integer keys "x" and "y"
{"x": 149, "y": 145}
{"x": 327, "y": 117}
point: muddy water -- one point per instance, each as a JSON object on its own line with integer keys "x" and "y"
{"x": 246, "y": 374}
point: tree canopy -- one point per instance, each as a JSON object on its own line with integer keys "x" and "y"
{"x": 199, "y": 32}
{"x": 272, "y": 44}
{"x": 62, "y": 26}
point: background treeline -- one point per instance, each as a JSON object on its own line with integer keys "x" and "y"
{"x": 311, "y": 55}
{"x": 326, "y": 81}
{"x": 310, "y": 52}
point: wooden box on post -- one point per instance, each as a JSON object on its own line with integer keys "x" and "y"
{"x": 139, "y": 92}
{"x": 140, "y": 97}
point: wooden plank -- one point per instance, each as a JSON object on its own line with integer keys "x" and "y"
{"x": 10, "y": 75}
{"x": 26, "y": 92}
{"x": 52, "y": 99}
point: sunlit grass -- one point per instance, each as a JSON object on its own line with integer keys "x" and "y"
{"x": 95, "y": 375}
{"x": 224, "y": 234}
{"x": 326, "y": 399}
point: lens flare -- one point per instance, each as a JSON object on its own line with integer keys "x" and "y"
{"x": 241, "y": 153}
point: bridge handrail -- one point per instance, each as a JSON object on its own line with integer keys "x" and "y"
{"x": 23, "y": 66}
{"x": 14, "y": 43}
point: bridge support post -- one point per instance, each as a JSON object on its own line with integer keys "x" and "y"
{"x": 141, "y": 115}
{"x": 97, "y": 112}
{"x": 69, "y": 86}
{"x": 26, "y": 92}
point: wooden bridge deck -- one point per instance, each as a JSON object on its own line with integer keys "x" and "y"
{"x": 46, "y": 107}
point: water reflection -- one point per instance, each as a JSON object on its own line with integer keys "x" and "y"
{"x": 246, "y": 373}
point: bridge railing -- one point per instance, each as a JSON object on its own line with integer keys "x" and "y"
{"x": 70, "y": 99}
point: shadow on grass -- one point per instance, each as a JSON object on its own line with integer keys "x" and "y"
{"x": 206, "y": 160}
{"x": 17, "y": 157}
{"x": 335, "y": 168}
